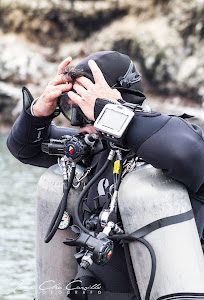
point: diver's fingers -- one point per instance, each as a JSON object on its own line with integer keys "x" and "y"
{"x": 75, "y": 98}
{"x": 53, "y": 95}
{"x": 59, "y": 79}
{"x": 64, "y": 87}
{"x": 49, "y": 92}
{"x": 85, "y": 82}
{"x": 63, "y": 64}
{"x": 86, "y": 106}
{"x": 88, "y": 129}
{"x": 79, "y": 89}
{"x": 61, "y": 87}
{"x": 97, "y": 74}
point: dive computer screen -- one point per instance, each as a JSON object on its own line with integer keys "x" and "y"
{"x": 113, "y": 119}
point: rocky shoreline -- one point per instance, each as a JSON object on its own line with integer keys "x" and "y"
{"x": 171, "y": 105}
{"x": 164, "y": 38}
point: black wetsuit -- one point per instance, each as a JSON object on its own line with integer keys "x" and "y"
{"x": 168, "y": 143}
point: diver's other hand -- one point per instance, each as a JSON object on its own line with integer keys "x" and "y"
{"x": 47, "y": 102}
{"x": 88, "y": 92}
{"x": 88, "y": 129}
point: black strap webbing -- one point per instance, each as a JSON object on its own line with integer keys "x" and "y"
{"x": 183, "y": 116}
{"x": 111, "y": 296}
{"x": 183, "y": 296}
{"x": 159, "y": 224}
{"x": 103, "y": 295}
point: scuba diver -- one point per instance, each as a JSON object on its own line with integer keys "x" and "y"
{"x": 166, "y": 142}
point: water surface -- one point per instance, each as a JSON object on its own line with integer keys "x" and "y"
{"x": 17, "y": 226}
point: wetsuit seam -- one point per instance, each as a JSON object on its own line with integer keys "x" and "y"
{"x": 191, "y": 128}
{"x": 19, "y": 150}
{"x": 99, "y": 59}
{"x": 152, "y": 134}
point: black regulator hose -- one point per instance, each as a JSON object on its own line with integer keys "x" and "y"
{"x": 61, "y": 208}
{"x": 133, "y": 279}
{"x": 83, "y": 193}
{"x": 153, "y": 269}
{"x": 126, "y": 239}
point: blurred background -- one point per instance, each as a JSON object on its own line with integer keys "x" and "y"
{"x": 165, "y": 38}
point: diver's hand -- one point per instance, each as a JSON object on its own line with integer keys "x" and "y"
{"x": 88, "y": 92}
{"x": 88, "y": 129}
{"x": 47, "y": 102}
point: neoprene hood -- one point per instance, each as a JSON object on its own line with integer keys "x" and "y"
{"x": 119, "y": 72}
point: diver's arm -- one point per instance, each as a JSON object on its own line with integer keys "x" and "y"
{"x": 171, "y": 144}
{"x": 177, "y": 147}
{"x": 28, "y": 133}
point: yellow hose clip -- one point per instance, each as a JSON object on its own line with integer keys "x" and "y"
{"x": 116, "y": 167}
